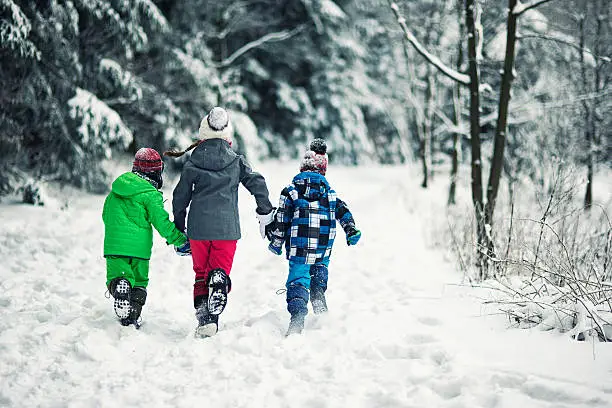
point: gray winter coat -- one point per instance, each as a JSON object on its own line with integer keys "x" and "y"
{"x": 209, "y": 186}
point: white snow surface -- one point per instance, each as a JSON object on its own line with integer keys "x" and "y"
{"x": 401, "y": 330}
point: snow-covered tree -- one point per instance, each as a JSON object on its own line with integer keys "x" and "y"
{"x": 292, "y": 71}
{"x": 15, "y": 27}
{"x": 53, "y": 52}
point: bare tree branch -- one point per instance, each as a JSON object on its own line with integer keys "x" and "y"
{"x": 562, "y": 41}
{"x": 432, "y": 59}
{"x": 564, "y": 102}
{"x": 449, "y": 125}
{"x": 271, "y": 37}
{"x": 520, "y": 8}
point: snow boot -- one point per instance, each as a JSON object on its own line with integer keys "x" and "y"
{"x": 296, "y": 324}
{"x": 219, "y": 285}
{"x": 317, "y": 298}
{"x": 121, "y": 289}
{"x": 297, "y": 305}
{"x": 138, "y": 297}
{"x": 318, "y": 286}
{"x": 208, "y": 324}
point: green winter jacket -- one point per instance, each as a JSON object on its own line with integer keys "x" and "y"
{"x": 129, "y": 210}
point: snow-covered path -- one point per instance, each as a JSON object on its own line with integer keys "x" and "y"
{"x": 400, "y": 333}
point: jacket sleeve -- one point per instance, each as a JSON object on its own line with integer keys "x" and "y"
{"x": 160, "y": 219}
{"x": 282, "y": 221}
{"x": 181, "y": 197}
{"x": 344, "y": 216}
{"x": 104, "y": 208}
{"x": 256, "y": 184}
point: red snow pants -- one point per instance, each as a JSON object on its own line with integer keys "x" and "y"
{"x": 206, "y": 256}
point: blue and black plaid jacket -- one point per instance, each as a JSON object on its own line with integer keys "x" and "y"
{"x": 306, "y": 219}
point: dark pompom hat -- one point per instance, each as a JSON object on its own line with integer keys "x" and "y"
{"x": 315, "y": 159}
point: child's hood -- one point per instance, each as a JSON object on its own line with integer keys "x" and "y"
{"x": 311, "y": 185}
{"x": 129, "y": 184}
{"x": 213, "y": 154}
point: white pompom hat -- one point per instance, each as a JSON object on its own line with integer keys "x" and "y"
{"x": 216, "y": 125}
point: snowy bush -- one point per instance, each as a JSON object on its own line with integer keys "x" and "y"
{"x": 247, "y": 138}
{"x": 133, "y": 20}
{"x": 151, "y": 14}
{"x": 113, "y": 79}
{"x": 204, "y": 77}
{"x": 33, "y": 193}
{"x": 553, "y": 261}
{"x": 292, "y": 99}
{"x": 14, "y": 31}
{"x": 99, "y": 126}
{"x": 579, "y": 307}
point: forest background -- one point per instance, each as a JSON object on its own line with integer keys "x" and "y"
{"x": 518, "y": 91}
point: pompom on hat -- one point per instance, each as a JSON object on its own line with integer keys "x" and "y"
{"x": 147, "y": 160}
{"x": 216, "y": 125}
{"x": 315, "y": 159}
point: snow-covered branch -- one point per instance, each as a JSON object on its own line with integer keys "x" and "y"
{"x": 99, "y": 125}
{"x": 449, "y": 127}
{"x": 520, "y": 8}
{"x": 15, "y": 30}
{"x": 271, "y": 37}
{"x": 565, "y": 102}
{"x": 562, "y": 41}
{"x": 432, "y": 59}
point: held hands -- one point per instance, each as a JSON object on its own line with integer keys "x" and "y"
{"x": 352, "y": 236}
{"x": 183, "y": 250}
{"x": 266, "y": 223}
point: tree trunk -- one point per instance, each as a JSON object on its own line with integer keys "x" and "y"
{"x": 472, "y": 80}
{"x": 456, "y": 147}
{"x": 502, "y": 125}
{"x": 419, "y": 111}
{"x": 456, "y": 112}
{"x": 588, "y": 120}
{"x": 432, "y": 39}
{"x": 424, "y": 155}
{"x": 600, "y": 16}
{"x": 476, "y": 161}
{"x": 427, "y": 131}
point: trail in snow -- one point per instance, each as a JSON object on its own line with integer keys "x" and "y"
{"x": 399, "y": 333}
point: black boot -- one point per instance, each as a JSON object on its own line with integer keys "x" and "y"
{"x": 208, "y": 324}
{"x": 219, "y": 285}
{"x": 137, "y": 301}
{"x": 121, "y": 289}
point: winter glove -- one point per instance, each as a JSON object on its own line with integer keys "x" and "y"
{"x": 352, "y": 236}
{"x": 275, "y": 250}
{"x": 266, "y": 223}
{"x": 183, "y": 250}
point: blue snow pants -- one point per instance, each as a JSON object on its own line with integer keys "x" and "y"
{"x": 301, "y": 277}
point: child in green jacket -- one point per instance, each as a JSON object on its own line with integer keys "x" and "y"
{"x": 133, "y": 205}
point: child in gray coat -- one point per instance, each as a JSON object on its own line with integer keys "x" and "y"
{"x": 209, "y": 187}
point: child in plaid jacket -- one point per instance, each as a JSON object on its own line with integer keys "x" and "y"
{"x": 305, "y": 222}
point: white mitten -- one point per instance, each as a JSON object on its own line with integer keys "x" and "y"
{"x": 264, "y": 221}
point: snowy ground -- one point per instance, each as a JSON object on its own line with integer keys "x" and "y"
{"x": 400, "y": 332}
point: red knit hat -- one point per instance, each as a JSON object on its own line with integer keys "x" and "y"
{"x": 315, "y": 159}
{"x": 147, "y": 160}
